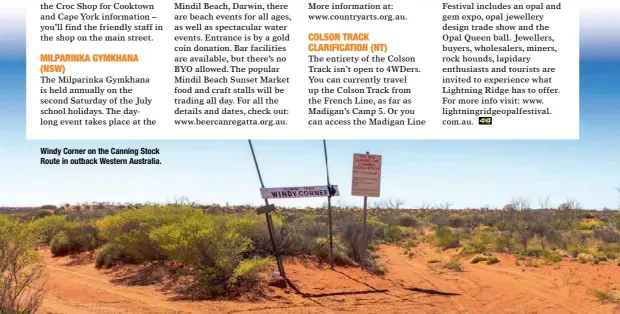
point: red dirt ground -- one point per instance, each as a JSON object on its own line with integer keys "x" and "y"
{"x": 412, "y": 285}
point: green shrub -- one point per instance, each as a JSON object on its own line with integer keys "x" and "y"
{"x": 479, "y": 245}
{"x": 108, "y": 255}
{"x": 321, "y": 250}
{"x": 407, "y": 220}
{"x": 454, "y": 264}
{"x": 479, "y": 259}
{"x": 377, "y": 229}
{"x": 350, "y": 235}
{"x": 504, "y": 244}
{"x": 605, "y": 296}
{"x": 489, "y": 259}
{"x": 84, "y": 237}
{"x": 492, "y": 260}
{"x": 590, "y": 224}
{"x": 374, "y": 267}
{"x": 463, "y": 234}
{"x": 468, "y": 249}
{"x": 247, "y": 273}
{"x": 574, "y": 252}
{"x": 611, "y": 250}
{"x": 43, "y": 213}
{"x": 21, "y": 268}
{"x": 61, "y": 244}
{"x": 209, "y": 244}
{"x": 444, "y": 238}
{"x": 77, "y": 238}
{"x": 409, "y": 244}
{"x": 456, "y": 221}
{"x": 48, "y": 226}
{"x": 395, "y": 233}
{"x": 291, "y": 235}
{"x": 585, "y": 258}
{"x": 131, "y": 229}
{"x": 615, "y": 220}
{"x": 554, "y": 257}
{"x": 373, "y": 247}
{"x": 534, "y": 252}
{"x": 374, "y": 222}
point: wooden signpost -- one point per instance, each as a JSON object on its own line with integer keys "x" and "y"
{"x": 293, "y": 192}
{"x": 267, "y": 209}
{"x": 304, "y": 191}
{"x": 366, "y": 183}
{"x": 332, "y": 192}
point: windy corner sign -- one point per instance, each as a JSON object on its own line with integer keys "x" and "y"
{"x": 300, "y": 191}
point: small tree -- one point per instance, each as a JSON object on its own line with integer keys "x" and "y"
{"x": 615, "y": 220}
{"x": 42, "y": 213}
{"x": 524, "y": 234}
{"x": 396, "y": 203}
{"x": 569, "y": 209}
{"x": 22, "y": 273}
{"x": 543, "y": 202}
{"x": 520, "y": 203}
{"x": 445, "y": 206}
{"x": 425, "y": 206}
{"x": 544, "y": 231}
{"x": 390, "y": 204}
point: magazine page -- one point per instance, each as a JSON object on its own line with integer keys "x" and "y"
{"x": 234, "y": 156}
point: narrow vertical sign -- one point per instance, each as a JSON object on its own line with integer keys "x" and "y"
{"x": 366, "y": 183}
{"x": 366, "y": 175}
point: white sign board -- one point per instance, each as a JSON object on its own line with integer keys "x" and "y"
{"x": 366, "y": 175}
{"x": 297, "y": 192}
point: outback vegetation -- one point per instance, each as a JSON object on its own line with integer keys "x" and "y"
{"x": 225, "y": 250}
{"x": 23, "y": 276}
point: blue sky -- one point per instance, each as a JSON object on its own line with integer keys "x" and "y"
{"x": 464, "y": 173}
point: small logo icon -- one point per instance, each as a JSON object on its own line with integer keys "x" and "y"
{"x": 485, "y": 120}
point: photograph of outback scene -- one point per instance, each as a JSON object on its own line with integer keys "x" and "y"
{"x": 310, "y": 157}
{"x": 356, "y": 252}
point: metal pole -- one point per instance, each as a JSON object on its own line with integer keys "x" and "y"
{"x": 329, "y": 211}
{"x": 269, "y": 220}
{"x": 364, "y": 247}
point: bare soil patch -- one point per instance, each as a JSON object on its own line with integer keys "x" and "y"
{"x": 412, "y": 285}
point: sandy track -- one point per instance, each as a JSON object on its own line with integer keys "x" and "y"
{"x": 506, "y": 288}
{"x": 411, "y": 286}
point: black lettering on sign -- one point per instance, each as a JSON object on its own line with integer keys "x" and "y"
{"x": 283, "y": 194}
